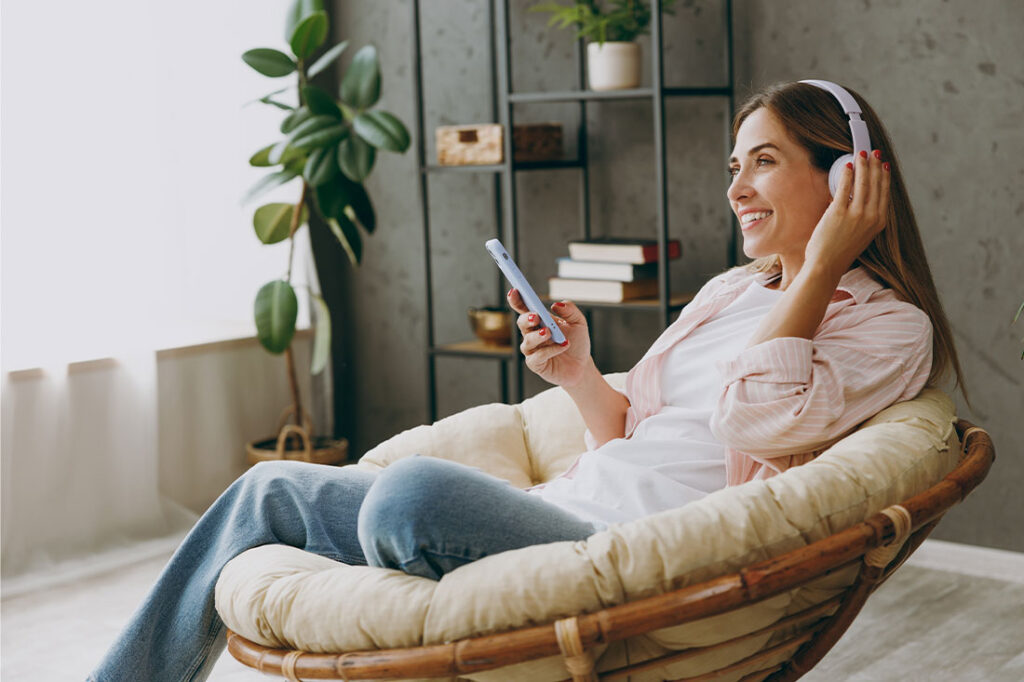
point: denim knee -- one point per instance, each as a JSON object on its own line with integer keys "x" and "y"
{"x": 396, "y": 515}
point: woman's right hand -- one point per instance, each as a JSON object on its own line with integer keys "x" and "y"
{"x": 563, "y": 365}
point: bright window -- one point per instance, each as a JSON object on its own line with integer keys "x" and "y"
{"x": 124, "y": 148}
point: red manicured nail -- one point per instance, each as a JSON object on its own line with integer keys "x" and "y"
{"x": 850, "y": 166}
{"x": 863, "y": 154}
{"x": 533, "y": 318}
{"x": 560, "y": 304}
{"x": 878, "y": 154}
{"x": 509, "y": 294}
{"x": 564, "y": 343}
{"x": 885, "y": 165}
{"x": 543, "y": 332}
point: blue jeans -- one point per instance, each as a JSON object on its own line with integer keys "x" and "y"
{"x": 422, "y": 515}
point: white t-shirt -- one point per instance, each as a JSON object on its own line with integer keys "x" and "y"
{"x": 671, "y": 458}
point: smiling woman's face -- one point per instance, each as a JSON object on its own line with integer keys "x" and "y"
{"x": 776, "y": 192}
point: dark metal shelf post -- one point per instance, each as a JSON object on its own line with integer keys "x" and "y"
{"x": 421, "y": 151}
{"x": 660, "y": 170}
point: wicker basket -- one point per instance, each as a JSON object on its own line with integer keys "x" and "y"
{"x": 483, "y": 143}
{"x": 315, "y": 449}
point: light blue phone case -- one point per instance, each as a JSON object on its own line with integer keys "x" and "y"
{"x": 517, "y": 280}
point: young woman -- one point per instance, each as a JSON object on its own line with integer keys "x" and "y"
{"x": 836, "y": 319}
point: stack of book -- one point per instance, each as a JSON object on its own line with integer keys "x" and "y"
{"x": 611, "y": 269}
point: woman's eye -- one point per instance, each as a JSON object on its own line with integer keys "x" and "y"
{"x": 734, "y": 170}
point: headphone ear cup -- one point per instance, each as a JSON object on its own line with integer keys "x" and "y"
{"x": 836, "y": 172}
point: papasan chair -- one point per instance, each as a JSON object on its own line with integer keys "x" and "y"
{"x": 753, "y": 582}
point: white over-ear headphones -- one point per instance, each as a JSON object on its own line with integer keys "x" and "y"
{"x": 858, "y": 130}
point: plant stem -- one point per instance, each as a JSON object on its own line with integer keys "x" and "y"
{"x": 296, "y": 397}
{"x": 296, "y": 223}
{"x": 293, "y": 383}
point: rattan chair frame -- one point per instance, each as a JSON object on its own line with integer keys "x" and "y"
{"x": 817, "y": 628}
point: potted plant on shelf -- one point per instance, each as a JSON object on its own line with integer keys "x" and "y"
{"x": 613, "y": 55}
{"x": 328, "y": 149}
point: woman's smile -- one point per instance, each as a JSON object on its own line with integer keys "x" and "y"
{"x": 751, "y": 218}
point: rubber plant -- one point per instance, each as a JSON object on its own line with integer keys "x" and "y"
{"x": 616, "y": 21}
{"x": 327, "y": 149}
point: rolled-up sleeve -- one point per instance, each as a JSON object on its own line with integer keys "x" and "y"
{"x": 792, "y": 395}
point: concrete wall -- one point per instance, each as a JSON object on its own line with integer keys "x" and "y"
{"x": 946, "y": 77}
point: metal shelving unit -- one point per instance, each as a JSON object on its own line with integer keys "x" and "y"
{"x": 503, "y": 103}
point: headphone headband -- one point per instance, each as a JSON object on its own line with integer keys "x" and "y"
{"x": 858, "y": 128}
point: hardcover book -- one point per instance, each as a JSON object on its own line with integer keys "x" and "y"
{"x": 621, "y": 250}
{"x": 619, "y": 272}
{"x": 601, "y": 290}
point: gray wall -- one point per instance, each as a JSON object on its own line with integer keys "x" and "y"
{"x": 946, "y": 77}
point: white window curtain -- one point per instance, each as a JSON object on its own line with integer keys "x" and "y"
{"x": 124, "y": 148}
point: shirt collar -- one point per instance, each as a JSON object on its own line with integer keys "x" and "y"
{"x": 857, "y": 282}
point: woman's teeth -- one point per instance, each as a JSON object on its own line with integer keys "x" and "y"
{"x": 748, "y": 218}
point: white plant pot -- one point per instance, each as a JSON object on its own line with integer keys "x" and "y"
{"x": 613, "y": 66}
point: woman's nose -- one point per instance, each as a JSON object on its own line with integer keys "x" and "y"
{"x": 739, "y": 188}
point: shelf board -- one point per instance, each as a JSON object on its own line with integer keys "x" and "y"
{"x": 698, "y": 92}
{"x": 500, "y": 168}
{"x": 578, "y": 95}
{"x": 635, "y": 93}
{"x": 476, "y": 348}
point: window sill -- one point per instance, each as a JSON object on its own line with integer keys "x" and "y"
{"x": 225, "y": 341}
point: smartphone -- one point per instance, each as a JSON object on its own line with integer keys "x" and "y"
{"x": 517, "y": 280}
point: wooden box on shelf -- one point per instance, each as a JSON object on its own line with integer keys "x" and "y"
{"x": 537, "y": 141}
{"x": 483, "y": 144}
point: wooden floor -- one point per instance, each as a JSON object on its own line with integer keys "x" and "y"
{"x": 923, "y": 624}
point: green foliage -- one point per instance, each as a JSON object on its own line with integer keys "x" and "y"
{"x": 275, "y": 310}
{"x": 330, "y": 145}
{"x": 273, "y": 221}
{"x": 269, "y": 62}
{"x": 618, "y": 21}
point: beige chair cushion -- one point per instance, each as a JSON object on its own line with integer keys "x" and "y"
{"x": 284, "y": 597}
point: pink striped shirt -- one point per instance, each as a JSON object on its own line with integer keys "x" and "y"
{"x": 786, "y": 400}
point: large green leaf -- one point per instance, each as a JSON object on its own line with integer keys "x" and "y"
{"x": 348, "y": 236}
{"x": 360, "y": 87}
{"x": 320, "y": 101}
{"x": 280, "y": 152}
{"x": 273, "y": 221}
{"x": 326, "y": 58}
{"x": 269, "y": 62}
{"x": 309, "y": 35}
{"x": 275, "y": 311}
{"x": 322, "y": 338}
{"x": 323, "y": 137}
{"x": 321, "y": 166}
{"x": 342, "y": 198}
{"x": 299, "y": 10}
{"x": 311, "y": 125}
{"x": 268, "y": 182}
{"x": 361, "y": 205}
{"x": 382, "y": 130}
{"x": 292, "y": 120}
{"x": 355, "y": 157}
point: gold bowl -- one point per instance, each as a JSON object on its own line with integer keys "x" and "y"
{"x": 491, "y": 325}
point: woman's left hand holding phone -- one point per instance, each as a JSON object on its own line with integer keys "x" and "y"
{"x": 563, "y": 365}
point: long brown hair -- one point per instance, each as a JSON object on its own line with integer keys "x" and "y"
{"x": 896, "y": 258}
